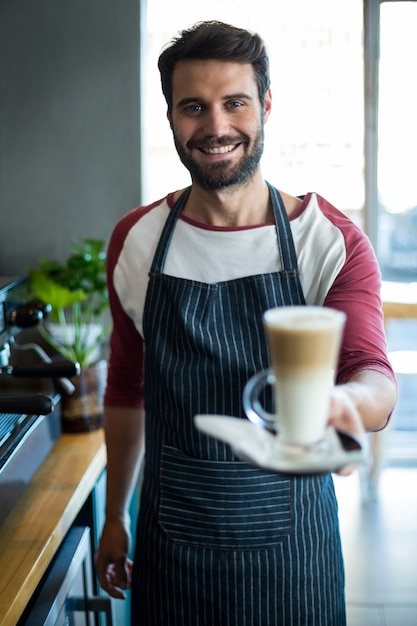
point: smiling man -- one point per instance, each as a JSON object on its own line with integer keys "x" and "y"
{"x": 220, "y": 542}
{"x": 220, "y": 140}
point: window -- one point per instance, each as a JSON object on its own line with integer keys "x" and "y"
{"x": 391, "y": 207}
{"x": 397, "y": 142}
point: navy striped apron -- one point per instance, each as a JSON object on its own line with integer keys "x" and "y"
{"x": 219, "y": 542}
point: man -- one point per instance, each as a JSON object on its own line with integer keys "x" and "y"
{"x": 189, "y": 279}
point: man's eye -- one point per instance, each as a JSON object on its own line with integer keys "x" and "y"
{"x": 235, "y": 104}
{"x": 193, "y": 108}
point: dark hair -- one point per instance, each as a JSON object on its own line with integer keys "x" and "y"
{"x": 215, "y": 40}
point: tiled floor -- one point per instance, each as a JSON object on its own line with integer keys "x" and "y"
{"x": 379, "y": 539}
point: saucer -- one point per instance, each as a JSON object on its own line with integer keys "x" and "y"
{"x": 257, "y": 446}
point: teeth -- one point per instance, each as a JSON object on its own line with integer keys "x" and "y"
{"x": 220, "y": 150}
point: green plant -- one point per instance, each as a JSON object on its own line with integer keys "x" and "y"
{"x": 77, "y": 293}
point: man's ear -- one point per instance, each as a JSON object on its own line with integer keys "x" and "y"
{"x": 169, "y": 118}
{"x": 267, "y": 104}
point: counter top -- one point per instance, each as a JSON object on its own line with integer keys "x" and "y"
{"x": 32, "y": 533}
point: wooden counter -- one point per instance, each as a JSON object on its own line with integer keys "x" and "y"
{"x": 34, "y": 530}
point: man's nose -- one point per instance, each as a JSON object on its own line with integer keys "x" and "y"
{"x": 216, "y": 122}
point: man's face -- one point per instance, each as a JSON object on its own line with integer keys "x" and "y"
{"x": 217, "y": 121}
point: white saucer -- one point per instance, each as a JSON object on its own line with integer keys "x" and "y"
{"x": 262, "y": 448}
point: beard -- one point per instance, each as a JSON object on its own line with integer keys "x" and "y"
{"x": 221, "y": 174}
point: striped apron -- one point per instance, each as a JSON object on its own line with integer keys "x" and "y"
{"x": 219, "y": 542}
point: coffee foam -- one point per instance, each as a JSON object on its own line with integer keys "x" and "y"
{"x": 303, "y": 322}
{"x": 313, "y": 317}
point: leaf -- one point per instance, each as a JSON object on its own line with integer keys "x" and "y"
{"x": 48, "y": 290}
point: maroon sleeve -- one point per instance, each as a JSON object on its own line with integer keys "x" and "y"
{"x": 125, "y": 374}
{"x": 356, "y": 291}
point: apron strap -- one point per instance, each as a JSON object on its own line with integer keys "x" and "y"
{"x": 286, "y": 246}
{"x": 159, "y": 259}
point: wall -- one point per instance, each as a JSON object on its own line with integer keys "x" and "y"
{"x": 69, "y": 124}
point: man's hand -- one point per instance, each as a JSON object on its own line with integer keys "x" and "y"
{"x": 114, "y": 568}
{"x": 344, "y": 416}
{"x": 343, "y": 413}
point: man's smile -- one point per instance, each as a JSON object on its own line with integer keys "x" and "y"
{"x": 219, "y": 149}
{"x": 217, "y": 145}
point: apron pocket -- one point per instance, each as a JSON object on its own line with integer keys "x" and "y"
{"x": 220, "y": 504}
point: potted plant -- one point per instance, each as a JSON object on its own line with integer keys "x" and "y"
{"x": 76, "y": 290}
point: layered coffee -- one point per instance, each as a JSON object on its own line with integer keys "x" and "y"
{"x": 304, "y": 345}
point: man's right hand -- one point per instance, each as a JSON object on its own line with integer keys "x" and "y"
{"x": 114, "y": 568}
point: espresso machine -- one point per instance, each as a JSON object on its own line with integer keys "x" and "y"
{"x": 29, "y": 391}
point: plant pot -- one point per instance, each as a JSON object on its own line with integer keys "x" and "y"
{"x": 83, "y": 410}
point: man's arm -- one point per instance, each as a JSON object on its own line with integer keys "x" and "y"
{"x": 124, "y": 431}
{"x": 364, "y": 403}
{"x": 369, "y": 393}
